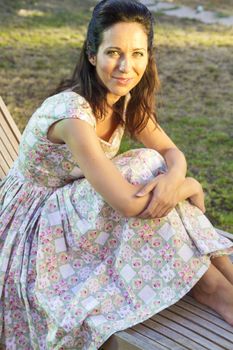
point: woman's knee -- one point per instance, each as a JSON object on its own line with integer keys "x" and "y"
{"x": 143, "y": 157}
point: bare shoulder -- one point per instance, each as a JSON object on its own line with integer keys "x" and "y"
{"x": 66, "y": 127}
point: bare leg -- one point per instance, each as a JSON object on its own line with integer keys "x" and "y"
{"x": 225, "y": 266}
{"x": 215, "y": 291}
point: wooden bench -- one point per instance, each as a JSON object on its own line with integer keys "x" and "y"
{"x": 187, "y": 325}
{"x": 9, "y": 140}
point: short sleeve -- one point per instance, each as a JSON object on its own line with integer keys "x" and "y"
{"x": 64, "y": 105}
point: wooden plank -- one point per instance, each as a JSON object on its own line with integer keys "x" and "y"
{"x": 7, "y": 129}
{"x": 9, "y": 140}
{"x": 212, "y": 333}
{"x": 10, "y": 120}
{"x": 142, "y": 336}
{"x": 14, "y": 142}
{"x": 124, "y": 341}
{"x": 192, "y": 301}
{"x": 2, "y": 173}
{"x": 204, "y": 322}
{"x": 6, "y": 155}
{"x": 151, "y": 334}
{"x": 193, "y": 340}
{"x": 204, "y": 315}
{"x": 173, "y": 331}
{"x": 4, "y": 137}
{"x": 3, "y": 164}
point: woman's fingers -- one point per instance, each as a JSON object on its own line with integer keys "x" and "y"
{"x": 157, "y": 211}
{"x": 147, "y": 188}
{"x": 164, "y": 212}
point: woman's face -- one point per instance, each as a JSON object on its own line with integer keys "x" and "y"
{"x": 121, "y": 59}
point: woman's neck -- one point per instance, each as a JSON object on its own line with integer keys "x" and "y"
{"x": 112, "y": 99}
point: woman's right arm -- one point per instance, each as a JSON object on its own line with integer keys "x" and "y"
{"x": 101, "y": 172}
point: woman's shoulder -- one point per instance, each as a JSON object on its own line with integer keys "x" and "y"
{"x": 67, "y": 98}
{"x": 67, "y": 104}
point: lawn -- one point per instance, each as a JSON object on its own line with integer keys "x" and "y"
{"x": 39, "y": 45}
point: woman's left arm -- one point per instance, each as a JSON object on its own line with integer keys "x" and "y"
{"x": 155, "y": 138}
{"x": 165, "y": 186}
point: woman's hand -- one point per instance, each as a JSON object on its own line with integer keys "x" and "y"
{"x": 164, "y": 196}
{"x": 166, "y": 193}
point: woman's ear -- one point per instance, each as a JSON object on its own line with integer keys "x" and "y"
{"x": 92, "y": 60}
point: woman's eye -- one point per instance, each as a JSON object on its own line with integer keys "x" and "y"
{"x": 113, "y": 53}
{"x": 138, "y": 54}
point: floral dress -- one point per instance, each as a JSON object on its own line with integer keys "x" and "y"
{"x": 72, "y": 269}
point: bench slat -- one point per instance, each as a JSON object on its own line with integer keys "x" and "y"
{"x": 8, "y": 131}
{"x": 10, "y": 121}
{"x": 173, "y": 331}
{"x": 3, "y": 164}
{"x": 206, "y": 316}
{"x": 6, "y": 155}
{"x": 195, "y": 324}
{"x": 9, "y": 140}
{"x": 4, "y": 137}
{"x": 192, "y": 301}
{"x": 160, "y": 338}
{"x": 2, "y": 173}
{"x": 126, "y": 341}
{"x": 157, "y": 345}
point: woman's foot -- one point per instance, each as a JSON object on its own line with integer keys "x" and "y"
{"x": 215, "y": 291}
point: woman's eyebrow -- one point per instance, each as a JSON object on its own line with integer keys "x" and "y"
{"x": 118, "y": 48}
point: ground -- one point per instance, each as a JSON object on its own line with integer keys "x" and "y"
{"x": 222, "y": 8}
{"x": 39, "y": 45}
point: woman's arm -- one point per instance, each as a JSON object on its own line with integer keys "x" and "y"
{"x": 169, "y": 188}
{"x": 155, "y": 138}
{"x": 101, "y": 172}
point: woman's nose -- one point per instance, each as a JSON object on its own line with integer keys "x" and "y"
{"x": 124, "y": 65}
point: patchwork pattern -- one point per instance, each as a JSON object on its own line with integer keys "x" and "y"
{"x": 73, "y": 270}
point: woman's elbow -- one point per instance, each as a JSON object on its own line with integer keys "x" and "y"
{"x": 128, "y": 209}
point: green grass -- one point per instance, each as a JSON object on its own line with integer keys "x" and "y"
{"x": 39, "y": 45}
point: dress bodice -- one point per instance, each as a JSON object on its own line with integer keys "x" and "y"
{"x": 50, "y": 164}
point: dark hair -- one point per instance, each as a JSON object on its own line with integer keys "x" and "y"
{"x": 84, "y": 80}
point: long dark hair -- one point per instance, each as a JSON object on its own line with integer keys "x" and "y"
{"x": 84, "y": 81}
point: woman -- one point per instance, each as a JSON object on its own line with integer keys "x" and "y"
{"x": 92, "y": 244}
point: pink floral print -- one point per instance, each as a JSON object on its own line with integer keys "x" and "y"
{"x": 72, "y": 269}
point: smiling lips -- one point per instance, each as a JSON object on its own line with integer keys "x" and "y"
{"x": 123, "y": 81}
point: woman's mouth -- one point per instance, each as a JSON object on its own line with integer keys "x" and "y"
{"x": 123, "y": 81}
